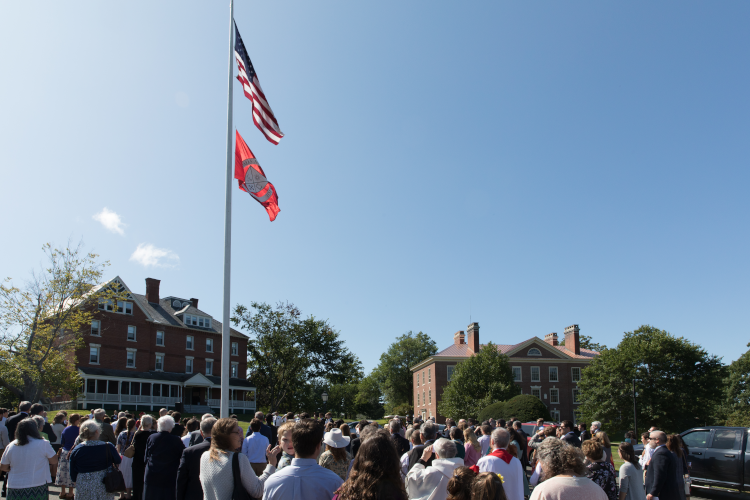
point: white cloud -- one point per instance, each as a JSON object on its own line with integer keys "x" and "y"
{"x": 148, "y": 255}
{"x": 110, "y": 220}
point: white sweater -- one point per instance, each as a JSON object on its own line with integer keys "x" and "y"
{"x": 218, "y": 481}
{"x": 431, "y": 483}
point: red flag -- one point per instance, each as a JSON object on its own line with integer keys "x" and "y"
{"x": 252, "y": 179}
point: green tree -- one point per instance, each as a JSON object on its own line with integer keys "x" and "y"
{"x": 42, "y": 323}
{"x": 369, "y": 400}
{"x": 677, "y": 387}
{"x": 586, "y": 342}
{"x": 393, "y": 374}
{"x": 286, "y": 354}
{"x": 737, "y": 383}
{"x": 484, "y": 378}
{"x": 526, "y": 408}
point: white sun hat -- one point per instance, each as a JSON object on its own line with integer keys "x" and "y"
{"x": 335, "y": 439}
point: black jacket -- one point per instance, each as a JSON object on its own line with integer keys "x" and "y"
{"x": 195, "y": 438}
{"x": 355, "y": 446}
{"x": 661, "y": 475}
{"x": 402, "y": 445}
{"x": 188, "y": 473}
{"x": 571, "y": 439}
{"x": 12, "y": 423}
{"x": 416, "y": 453}
{"x": 585, "y": 436}
{"x": 163, "y": 453}
{"x": 178, "y": 429}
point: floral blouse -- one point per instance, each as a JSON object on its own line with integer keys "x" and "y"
{"x": 340, "y": 467}
{"x": 602, "y": 474}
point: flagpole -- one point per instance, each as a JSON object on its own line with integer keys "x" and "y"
{"x": 225, "y": 330}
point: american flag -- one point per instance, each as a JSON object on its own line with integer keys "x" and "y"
{"x": 262, "y": 114}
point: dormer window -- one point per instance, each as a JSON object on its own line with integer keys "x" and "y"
{"x": 199, "y": 321}
{"x": 176, "y": 304}
{"x": 534, "y": 352}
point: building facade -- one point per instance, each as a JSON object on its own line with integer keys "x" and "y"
{"x": 541, "y": 367}
{"x": 148, "y": 352}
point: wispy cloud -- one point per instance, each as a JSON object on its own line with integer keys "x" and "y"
{"x": 111, "y": 221}
{"x": 149, "y": 256}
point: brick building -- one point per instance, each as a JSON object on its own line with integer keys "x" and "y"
{"x": 541, "y": 367}
{"x": 148, "y": 352}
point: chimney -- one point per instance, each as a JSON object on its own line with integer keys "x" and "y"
{"x": 551, "y": 338}
{"x": 472, "y": 337}
{"x": 458, "y": 338}
{"x": 572, "y": 342}
{"x": 195, "y": 303}
{"x": 152, "y": 290}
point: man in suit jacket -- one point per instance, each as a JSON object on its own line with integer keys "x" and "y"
{"x": 107, "y": 434}
{"x": 402, "y": 445}
{"x": 428, "y": 433}
{"x": 13, "y": 421}
{"x": 357, "y": 441}
{"x": 188, "y": 473}
{"x": 37, "y": 409}
{"x": 264, "y": 429}
{"x": 661, "y": 474}
{"x": 569, "y": 435}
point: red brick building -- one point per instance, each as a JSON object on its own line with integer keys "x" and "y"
{"x": 541, "y": 367}
{"x": 148, "y": 352}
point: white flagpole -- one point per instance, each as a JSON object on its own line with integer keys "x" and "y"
{"x": 225, "y": 330}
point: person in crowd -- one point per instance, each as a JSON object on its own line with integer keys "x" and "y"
{"x": 29, "y": 457}
{"x": 192, "y": 426}
{"x": 347, "y": 431}
{"x": 216, "y": 476}
{"x": 375, "y": 474}
{"x": 661, "y": 474}
{"x": 401, "y": 444}
{"x": 568, "y": 434}
{"x": 472, "y": 448}
{"x": 456, "y": 435}
{"x": 89, "y": 462}
{"x": 195, "y": 436}
{"x": 254, "y": 447}
{"x": 286, "y": 444}
{"x": 40, "y": 423}
{"x": 274, "y": 431}
{"x": 428, "y": 433}
{"x": 674, "y": 445}
{"x": 564, "y": 473}
{"x": 583, "y": 432}
{"x": 57, "y": 428}
{"x": 539, "y": 424}
{"x": 264, "y": 429}
{"x": 106, "y": 432}
{"x": 431, "y": 482}
{"x": 335, "y": 458}
{"x": 162, "y": 412}
{"x": 645, "y": 457}
{"x": 488, "y": 486}
{"x": 459, "y": 486}
{"x": 598, "y": 469}
{"x": 630, "y": 475}
{"x": 68, "y": 438}
{"x": 485, "y": 438}
{"x": 319, "y": 482}
{"x": 357, "y": 441}
{"x": 13, "y": 421}
{"x": 415, "y": 439}
{"x": 179, "y": 428}
{"x": 163, "y": 452}
{"x": 120, "y": 426}
{"x": 596, "y": 426}
{"x": 140, "y": 441}
{"x": 124, "y": 440}
{"x": 515, "y": 442}
{"x": 4, "y": 436}
{"x": 630, "y": 437}
{"x": 38, "y": 410}
{"x": 189, "y": 486}
{"x": 602, "y": 438}
{"x": 502, "y": 462}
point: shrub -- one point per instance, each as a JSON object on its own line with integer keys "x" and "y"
{"x": 526, "y": 408}
{"x": 495, "y": 410}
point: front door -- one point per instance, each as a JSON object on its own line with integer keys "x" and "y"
{"x": 196, "y": 399}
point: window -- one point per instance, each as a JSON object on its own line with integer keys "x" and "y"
{"x": 198, "y": 321}
{"x": 106, "y": 305}
{"x": 534, "y": 352}
{"x": 188, "y": 365}
{"x": 576, "y": 374}
{"x": 417, "y": 379}
{"x": 176, "y": 304}
{"x": 429, "y": 375}
{"x": 422, "y": 377}
{"x": 234, "y": 370}
{"x": 131, "y": 333}
{"x": 555, "y": 414}
{"x": 726, "y": 439}
{"x": 209, "y": 345}
{"x": 576, "y": 396}
{"x": 554, "y": 396}
{"x": 430, "y": 393}
{"x": 94, "y": 355}
{"x": 417, "y": 399}
{"x": 235, "y": 349}
{"x": 450, "y": 372}
{"x": 209, "y": 367}
{"x": 189, "y": 343}
{"x": 159, "y": 338}
{"x": 516, "y": 374}
{"x": 96, "y": 327}
{"x": 536, "y": 392}
{"x": 124, "y": 307}
{"x": 130, "y": 363}
{"x": 159, "y": 363}
{"x": 696, "y": 439}
{"x": 535, "y": 377}
{"x": 553, "y": 374}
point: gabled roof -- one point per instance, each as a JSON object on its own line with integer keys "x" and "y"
{"x": 462, "y": 350}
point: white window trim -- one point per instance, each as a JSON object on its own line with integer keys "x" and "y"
{"x": 192, "y": 365}
{"x": 193, "y": 343}
{"x": 163, "y": 360}
{"x": 98, "y": 353}
{"x": 573, "y": 396}
{"x": 232, "y": 346}
{"x": 233, "y": 364}
{"x": 163, "y": 338}
{"x": 531, "y": 374}
{"x": 130, "y": 349}
{"x": 520, "y": 369}
{"x": 212, "y": 367}
{"x": 212, "y": 345}
{"x": 538, "y": 388}
{"x": 135, "y": 333}
{"x": 429, "y": 375}
{"x": 549, "y": 368}
{"x": 534, "y": 349}
{"x": 558, "y": 396}
{"x": 99, "y": 329}
{"x": 447, "y": 376}
{"x": 572, "y": 378}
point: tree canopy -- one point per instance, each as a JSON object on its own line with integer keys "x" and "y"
{"x": 477, "y": 382}
{"x": 677, "y": 387}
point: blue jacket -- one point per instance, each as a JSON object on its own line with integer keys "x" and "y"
{"x": 163, "y": 453}
{"x": 92, "y": 458}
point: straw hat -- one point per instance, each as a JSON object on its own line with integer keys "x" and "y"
{"x": 335, "y": 439}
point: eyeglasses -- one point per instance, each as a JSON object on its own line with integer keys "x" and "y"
{"x": 653, "y": 439}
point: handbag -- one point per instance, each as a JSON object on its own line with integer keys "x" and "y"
{"x": 239, "y": 493}
{"x": 113, "y": 480}
{"x": 129, "y": 449}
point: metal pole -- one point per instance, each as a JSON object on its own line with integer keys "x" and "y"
{"x": 225, "y": 328}
{"x": 635, "y": 413}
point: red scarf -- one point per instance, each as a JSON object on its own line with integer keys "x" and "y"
{"x": 503, "y": 455}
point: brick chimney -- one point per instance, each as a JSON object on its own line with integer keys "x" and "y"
{"x": 472, "y": 337}
{"x": 458, "y": 338}
{"x": 551, "y": 338}
{"x": 152, "y": 290}
{"x": 572, "y": 342}
{"x": 195, "y": 303}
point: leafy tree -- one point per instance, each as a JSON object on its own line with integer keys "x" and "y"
{"x": 737, "y": 383}
{"x": 369, "y": 399}
{"x": 42, "y": 323}
{"x": 287, "y": 353}
{"x": 586, "y": 342}
{"x": 677, "y": 387}
{"x": 526, "y": 408}
{"x": 482, "y": 379}
{"x": 495, "y": 410}
{"x": 393, "y": 374}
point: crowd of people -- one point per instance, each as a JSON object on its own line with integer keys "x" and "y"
{"x": 304, "y": 457}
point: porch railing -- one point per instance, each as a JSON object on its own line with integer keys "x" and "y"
{"x": 249, "y": 405}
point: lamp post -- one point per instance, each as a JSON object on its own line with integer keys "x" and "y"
{"x": 324, "y": 396}
{"x": 638, "y": 368}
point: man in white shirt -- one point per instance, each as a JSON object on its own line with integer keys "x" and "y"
{"x": 431, "y": 483}
{"x": 502, "y": 462}
{"x": 254, "y": 447}
{"x": 485, "y": 439}
{"x": 648, "y": 450}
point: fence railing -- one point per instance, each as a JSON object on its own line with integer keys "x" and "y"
{"x": 250, "y": 405}
{"x": 130, "y": 398}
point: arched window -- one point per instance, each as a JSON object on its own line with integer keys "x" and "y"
{"x": 176, "y": 303}
{"x": 535, "y": 352}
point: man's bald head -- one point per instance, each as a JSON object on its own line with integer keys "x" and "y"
{"x": 659, "y": 436}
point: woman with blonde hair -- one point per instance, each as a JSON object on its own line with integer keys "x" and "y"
{"x": 602, "y": 438}
{"x": 472, "y": 448}
{"x": 216, "y": 474}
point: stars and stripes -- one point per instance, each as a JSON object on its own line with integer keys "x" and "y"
{"x": 262, "y": 115}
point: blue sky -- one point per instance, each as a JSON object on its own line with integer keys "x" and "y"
{"x": 529, "y": 164}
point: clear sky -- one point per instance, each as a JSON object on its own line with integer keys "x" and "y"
{"x": 530, "y": 165}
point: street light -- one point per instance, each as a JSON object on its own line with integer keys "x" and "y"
{"x": 324, "y": 396}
